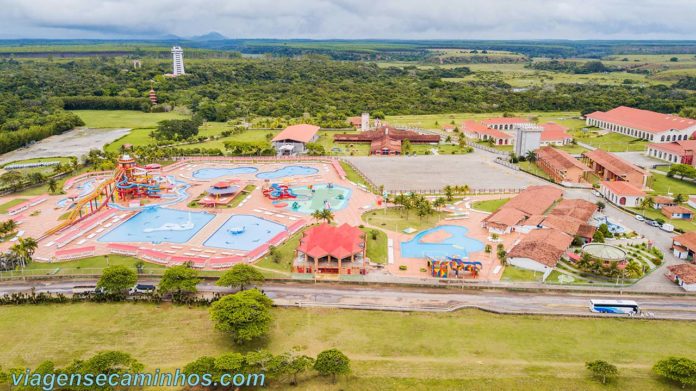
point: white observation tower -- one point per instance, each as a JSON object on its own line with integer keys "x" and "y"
{"x": 178, "y": 61}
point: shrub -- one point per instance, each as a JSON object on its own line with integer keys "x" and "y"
{"x": 403, "y": 267}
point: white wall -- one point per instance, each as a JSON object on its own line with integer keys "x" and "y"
{"x": 529, "y": 264}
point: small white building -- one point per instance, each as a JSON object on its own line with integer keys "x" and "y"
{"x": 683, "y": 275}
{"x": 527, "y": 138}
{"x": 622, "y": 193}
{"x": 293, "y": 139}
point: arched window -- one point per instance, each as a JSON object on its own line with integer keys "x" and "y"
{"x": 622, "y": 201}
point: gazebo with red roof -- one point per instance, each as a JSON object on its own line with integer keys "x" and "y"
{"x": 328, "y": 249}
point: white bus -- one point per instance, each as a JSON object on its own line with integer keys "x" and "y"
{"x": 614, "y": 306}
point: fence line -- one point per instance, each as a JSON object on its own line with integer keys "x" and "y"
{"x": 485, "y": 148}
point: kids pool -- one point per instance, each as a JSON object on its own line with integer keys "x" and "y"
{"x": 287, "y": 171}
{"x": 458, "y": 243}
{"x": 212, "y": 173}
{"x": 155, "y": 225}
{"x": 244, "y": 233}
{"x": 320, "y": 196}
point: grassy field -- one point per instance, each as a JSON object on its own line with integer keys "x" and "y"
{"x": 513, "y": 273}
{"x": 7, "y": 205}
{"x": 490, "y": 205}
{"x": 662, "y": 184}
{"x": 534, "y": 169}
{"x": 91, "y": 265}
{"x": 389, "y": 350}
{"x": 393, "y": 220}
{"x": 613, "y": 142}
{"x": 287, "y": 254}
{"x": 437, "y": 121}
{"x": 124, "y": 118}
{"x": 353, "y": 175}
{"x": 376, "y": 248}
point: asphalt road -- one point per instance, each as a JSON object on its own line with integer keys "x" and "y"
{"x": 422, "y": 299}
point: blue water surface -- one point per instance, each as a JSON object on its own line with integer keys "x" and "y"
{"x": 457, "y": 244}
{"x": 244, "y": 233}
{"x": 155, "y": 218}
{"x": 287, "y": 171}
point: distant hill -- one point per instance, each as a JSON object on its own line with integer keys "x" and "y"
{"x": 211, "y": 36}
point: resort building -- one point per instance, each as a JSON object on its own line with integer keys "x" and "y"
{"x": 331, "y": 249}
{"x": 354, "y": 122}
{"x": 540, "y": 250}
{"x": 622, "y": 193}
{"x": 527, "y": 138}
{"x": 643, "y": 124}
{"x": 479, "y": 131}
{"x": 682, "y": 151}
{"x": 560, "y": 166}
{"x": 610, "y": 167}
{"x": 513, "y": 216}
{"x": 178, "y": 61}
{"x": 684, "y": 245}
{"x": 505, "y": 123}
{"x": 386, "y": 140}
{"x": 677, "y": 212}
{"x": 661, "y": 201}
{"x": 449, "y": 128}
{"x": 683, "y": 275}
{"x": 293, "y": 139}
{"x": 555, "y": 134}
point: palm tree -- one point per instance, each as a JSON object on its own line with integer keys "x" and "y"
{"x": 52, "y": 185}
{"x": 327, "y": 215}
{"x": 317, "y": 215}
{"x": 531, "y": 156}
{"x": 465, "y": 189}
{"x": 24, "y": 249}
{"x": 449, "y": 192}
{"x": 647, "y": 202}
{"x": 439, "y": 202}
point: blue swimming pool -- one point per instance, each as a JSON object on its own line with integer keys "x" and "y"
{"x": 287, "y": 171}
{"x": 320, "y": 196}
{"x": 212, "y": 173}
{"x": 458, "y": 243}
{"x": 155, "y": 225}
{"x": 244, "y": 233}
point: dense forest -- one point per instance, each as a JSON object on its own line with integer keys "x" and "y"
{"x": 34, "y": 94}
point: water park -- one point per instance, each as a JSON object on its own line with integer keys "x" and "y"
{"x": 214, "y": 212}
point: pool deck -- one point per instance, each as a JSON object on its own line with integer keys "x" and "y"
{"x": 81, "y": 239}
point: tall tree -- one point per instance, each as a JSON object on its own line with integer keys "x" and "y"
{"x": 240, "y": 275}
{"x": 245, "y": 315}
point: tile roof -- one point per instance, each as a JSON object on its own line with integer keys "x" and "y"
{"x": 301, "y": 133}
{"x": 687, "y": 240}
{"x": 554, "y": 132}
{"x": 685, "y": 271}
{"x": 612, "y": 162}
{"x": 677, "y": 147}
{"x": 470, "y": 126}
{"x": 622, "y": 188}
{"x": 336, "y": 241}
{"x": 575, "y": 208}
{"x": 559, "y": 159}
{"x": 678, "y": 209}
{"x": 545, "y": 246}
{"x": 663, "y": 200}
{"x": 645, "y": 120}
{"x": 535, "y": 200}
{"x": 505, "y": 217}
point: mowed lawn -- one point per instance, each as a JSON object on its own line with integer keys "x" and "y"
{"x": 394, "y": 219}
{"x": 389, "y": 350}
{"x": 490, "y": 205}
{"x": 613, "y": 142}
{"x": 437, "y": 121}
{"x": 124, "y": 118}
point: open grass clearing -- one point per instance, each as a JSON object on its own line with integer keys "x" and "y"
{"x": 124, "y": 118}
{"x": 662, "y": 184}
{"x": 612, "y": 142}
{"x": 377, "y": 247}
{"x": 396, "y": 219}
{"x": 437, "y": 121}
{"x": 391, "y": 349}
{"x": 490, "y": 205}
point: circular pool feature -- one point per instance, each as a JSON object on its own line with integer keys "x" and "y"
{"x": 604, "y": 252}
{"x": 287, "y": 171}
{"x": 212, "y": 173}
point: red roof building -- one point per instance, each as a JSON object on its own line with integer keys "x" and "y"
{"x": 643, "y": 124}
{"x": 677, "y": 212}
{"x": 555, "y": 134}
{"x": 293, "y": 139}
{"x": 386, "y": 140}
{"x": 560, "y": 166}
{"x": 504, "y": 123}
{"x": 622, "y": 193}
{"x": 610, "y": 167}
{"x": 684, "y": 245}
{"x": 479, "y": 131}
{"x": 674, "y": 152}
{"x": 684, "y": 275}
{"x": 332, "y": 250}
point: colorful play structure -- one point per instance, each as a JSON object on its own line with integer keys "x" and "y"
{"x": 279, "y": 192}
{"x": 444, "y": 267}
{"x": 128, "y": 182}
{"x": 220, "y": 193}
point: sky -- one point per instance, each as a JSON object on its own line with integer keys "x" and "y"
{"x": 350, "y": 19}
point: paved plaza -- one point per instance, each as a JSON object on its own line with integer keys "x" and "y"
{"x": 478, "y": 170}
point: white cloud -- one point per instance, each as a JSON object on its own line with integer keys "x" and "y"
{"x": 406, "y": 19}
